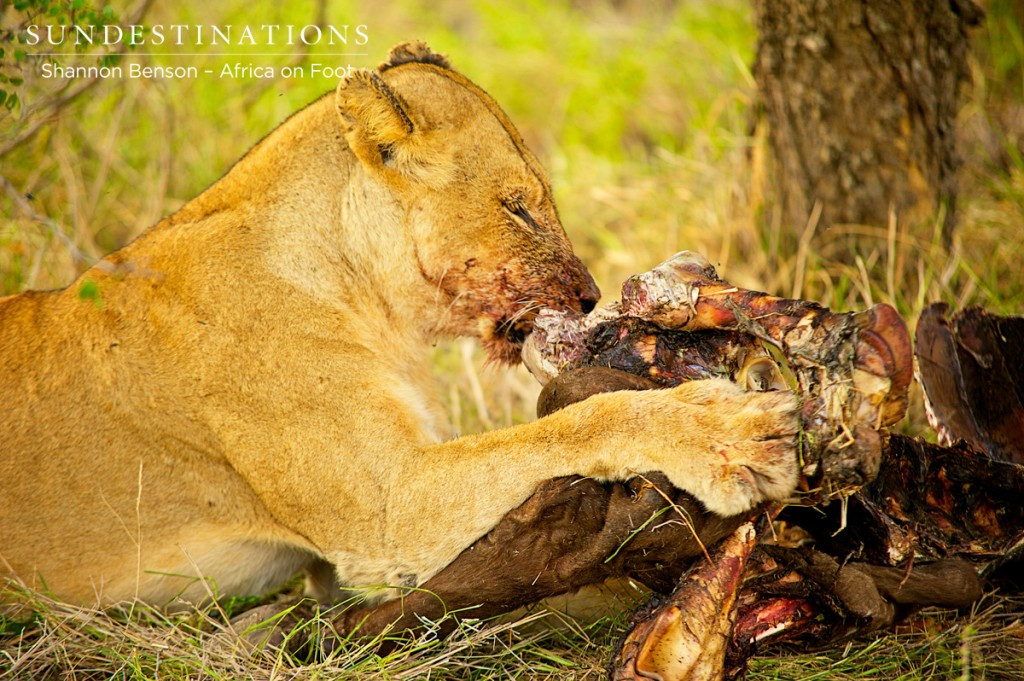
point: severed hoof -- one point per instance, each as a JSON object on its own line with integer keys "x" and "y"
{"x": 684, "y": 637}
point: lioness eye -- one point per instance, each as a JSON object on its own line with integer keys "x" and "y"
{"x": 517, "y": 207}
{"x": 521, "y": 213}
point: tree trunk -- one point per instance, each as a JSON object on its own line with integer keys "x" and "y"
{"x": 860, "y": 98}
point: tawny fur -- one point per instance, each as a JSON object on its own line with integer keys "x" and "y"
{"x": 245, "y": 392}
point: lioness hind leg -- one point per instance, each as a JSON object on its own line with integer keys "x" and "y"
{"x": 288, "y": 622}
{"x": 322, "y": 582}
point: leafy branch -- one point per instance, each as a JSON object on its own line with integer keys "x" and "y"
{"x": 17, "y": 63}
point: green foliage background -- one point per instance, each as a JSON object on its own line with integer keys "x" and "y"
{"x": 644, "y": 112}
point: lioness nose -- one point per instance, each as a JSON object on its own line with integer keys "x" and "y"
{"x": 589, "y": 295}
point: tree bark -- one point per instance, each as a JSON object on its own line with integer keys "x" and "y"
{"x": 860, "y": 98}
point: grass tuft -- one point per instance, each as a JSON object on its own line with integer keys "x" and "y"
{"x": 46, "y": 639}
{"x": 42, "y": 638}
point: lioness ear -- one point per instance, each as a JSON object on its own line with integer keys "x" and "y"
{"x": 413, "y": 52}
{"x": 373, "y": 117}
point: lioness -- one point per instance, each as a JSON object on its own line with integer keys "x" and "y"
{"x": 245, "y": 392}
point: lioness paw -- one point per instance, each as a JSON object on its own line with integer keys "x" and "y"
{"x": 737, "y": 448}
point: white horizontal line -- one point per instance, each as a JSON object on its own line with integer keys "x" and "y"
{"x": 198, "y": 54}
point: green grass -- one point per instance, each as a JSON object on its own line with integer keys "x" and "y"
{"x": 641, "y": 114}
{"x": 142, "y": 643}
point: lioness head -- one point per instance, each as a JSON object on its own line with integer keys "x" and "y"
{"x": 476, "y": 202}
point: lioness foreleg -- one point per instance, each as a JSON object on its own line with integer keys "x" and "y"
{"x": 729, "y": 448}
